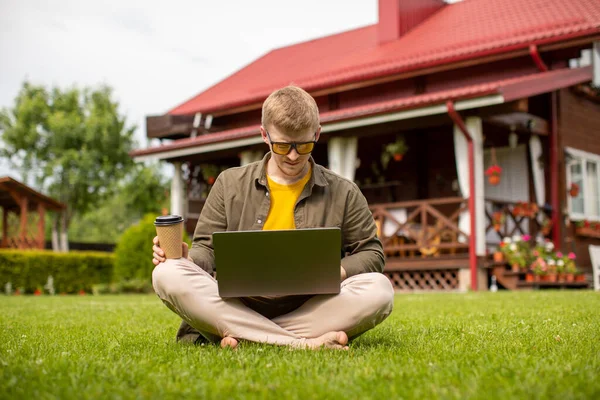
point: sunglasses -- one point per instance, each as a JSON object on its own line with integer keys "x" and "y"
{"x": 284, "y": 148}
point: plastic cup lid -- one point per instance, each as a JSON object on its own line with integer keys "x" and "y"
{"x": 165, "y": 220}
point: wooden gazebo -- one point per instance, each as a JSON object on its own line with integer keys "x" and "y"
{"x": 30, "y": 207}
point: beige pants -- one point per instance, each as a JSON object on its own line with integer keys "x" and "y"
{"x": 364, "y": 301}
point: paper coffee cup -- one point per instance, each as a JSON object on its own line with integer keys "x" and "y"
{"x": 169, "y": 229}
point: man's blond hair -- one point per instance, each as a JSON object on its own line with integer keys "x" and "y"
{"x": 291, "y": 110}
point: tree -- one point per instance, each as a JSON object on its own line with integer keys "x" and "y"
{"x": 73, "y": 143}
{"x": 141, "y": 192}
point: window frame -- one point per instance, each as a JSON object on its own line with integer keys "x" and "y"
{"x": 584, "y": 158}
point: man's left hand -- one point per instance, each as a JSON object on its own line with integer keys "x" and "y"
{"x": 343, "y": 274}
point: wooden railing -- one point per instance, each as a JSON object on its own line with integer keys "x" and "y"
{"x": 518, "y": 219}
{"x": 21, "y": 243}
{"x": 421, "y": 228}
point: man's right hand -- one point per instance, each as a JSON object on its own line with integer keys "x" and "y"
{"x": 159, "y": 255}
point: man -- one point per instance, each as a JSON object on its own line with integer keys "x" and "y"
{"x": 286, "y": 190}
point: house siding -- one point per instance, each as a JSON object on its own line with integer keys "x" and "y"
{"x": 579, "y": 127}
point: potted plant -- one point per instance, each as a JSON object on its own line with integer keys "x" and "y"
{"x": 498, "y": 219}
{"x": 517, "y": 251}
{"x": 579, "y": 276}
{"x": 499, "y": 254}
{"x": 397, "y": 149}
{"x": 574, "y": 190}
{"x": 570, "y": 268}
{"x": 209, "y": 173}
{"x": 493, "y": 173}
{"x": 551, "y": 275}
{"x": 539, "y": 267}
{"x": 546, "y": 226}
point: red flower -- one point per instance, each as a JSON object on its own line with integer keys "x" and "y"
{"x": 494, "y": 170}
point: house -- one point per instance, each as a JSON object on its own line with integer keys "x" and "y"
{"x": 458, "y": 87}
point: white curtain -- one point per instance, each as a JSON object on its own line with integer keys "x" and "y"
{"x": 250, "y": 156}
{"x": 539, "y": 182}
{"x": 474, "y": 126}
{"x": 342, "y": 153}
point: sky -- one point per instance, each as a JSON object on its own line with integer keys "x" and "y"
{"x": 154, "y": 54}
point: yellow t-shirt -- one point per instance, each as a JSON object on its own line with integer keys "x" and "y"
{"x": 283, "y": 200}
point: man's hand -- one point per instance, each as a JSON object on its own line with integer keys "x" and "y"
{"x": 159, "y": 255}
{"x": 343, "y": 274}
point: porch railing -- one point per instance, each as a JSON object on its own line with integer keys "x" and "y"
{"x": 506, "y": 218}
{"x": 422, "y": 227}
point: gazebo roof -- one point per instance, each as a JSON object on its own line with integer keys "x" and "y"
{"x": 11, "y": 190}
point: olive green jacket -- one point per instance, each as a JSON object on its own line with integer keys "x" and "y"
{"x": 239, "y": 200}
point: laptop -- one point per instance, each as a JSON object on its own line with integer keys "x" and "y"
{"x": 278, "y": 263}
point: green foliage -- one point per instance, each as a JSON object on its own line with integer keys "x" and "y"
{"x": 73, "y": 143}
{"x": 505, "y": 345}
{"x": 133, "y": 255}
{"x": 71, "y": 271}
{"x": 141, "y": 192}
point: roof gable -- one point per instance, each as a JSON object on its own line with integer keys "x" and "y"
{"x": 469, "y": 29}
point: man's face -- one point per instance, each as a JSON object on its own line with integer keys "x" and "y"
{"x": 292, "y": 164}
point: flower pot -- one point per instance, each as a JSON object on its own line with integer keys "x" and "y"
{"x": 494, "y": 179}
{"x": 37, "y": 292}
{"x": 580, "y": 278}
{"x": 398, "y": 157}
{"x": 569, "y": 277}
{"x": 561, "y": 277}
{"x": 536, "y": 278}
{"x": 552, "y": 278}
{"x": 515, "y": 268}
{"x": 498, "y": 257}
{"x": 529, "y": 278}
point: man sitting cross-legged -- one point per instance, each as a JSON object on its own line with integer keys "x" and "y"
{"x": 286, "y": 190}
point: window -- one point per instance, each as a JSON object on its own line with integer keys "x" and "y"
{"x": 583, "y": 170}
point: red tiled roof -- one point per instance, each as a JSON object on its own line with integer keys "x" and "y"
{"x": 465, "y": 30}
{"x": 510, "y": 89}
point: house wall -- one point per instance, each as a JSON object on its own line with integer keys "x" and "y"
{"x": 579, "y": 127}
{"x": 579, "y": 122}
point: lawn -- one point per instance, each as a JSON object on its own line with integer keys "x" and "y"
{"x": 478, "y": 345}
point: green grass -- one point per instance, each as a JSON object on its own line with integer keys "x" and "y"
{"x": 478, "y": 345}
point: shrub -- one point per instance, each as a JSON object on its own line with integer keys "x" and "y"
{"x": 133, "y": 254}
{"x": 72, "y": 272}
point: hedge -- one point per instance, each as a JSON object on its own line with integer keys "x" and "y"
{"x": 72, "y": 272}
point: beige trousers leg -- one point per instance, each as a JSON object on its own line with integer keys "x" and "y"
{"x": 364, "y": 301}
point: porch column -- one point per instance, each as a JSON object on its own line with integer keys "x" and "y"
{"x": 41, "y": 225}
{"x": 177, "y": 190}
{"x": 474, "y": 126}
{"x": 250, "y": 156}
{"x": 342, "y": 156}
{"x": 4, "y": 227}
{"x": 23, "y": 225}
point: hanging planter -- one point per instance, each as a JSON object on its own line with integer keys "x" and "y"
{"x": 397, "y": 149}
{"x": 574, "y": 190}
{"x": 494, "y": 171}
